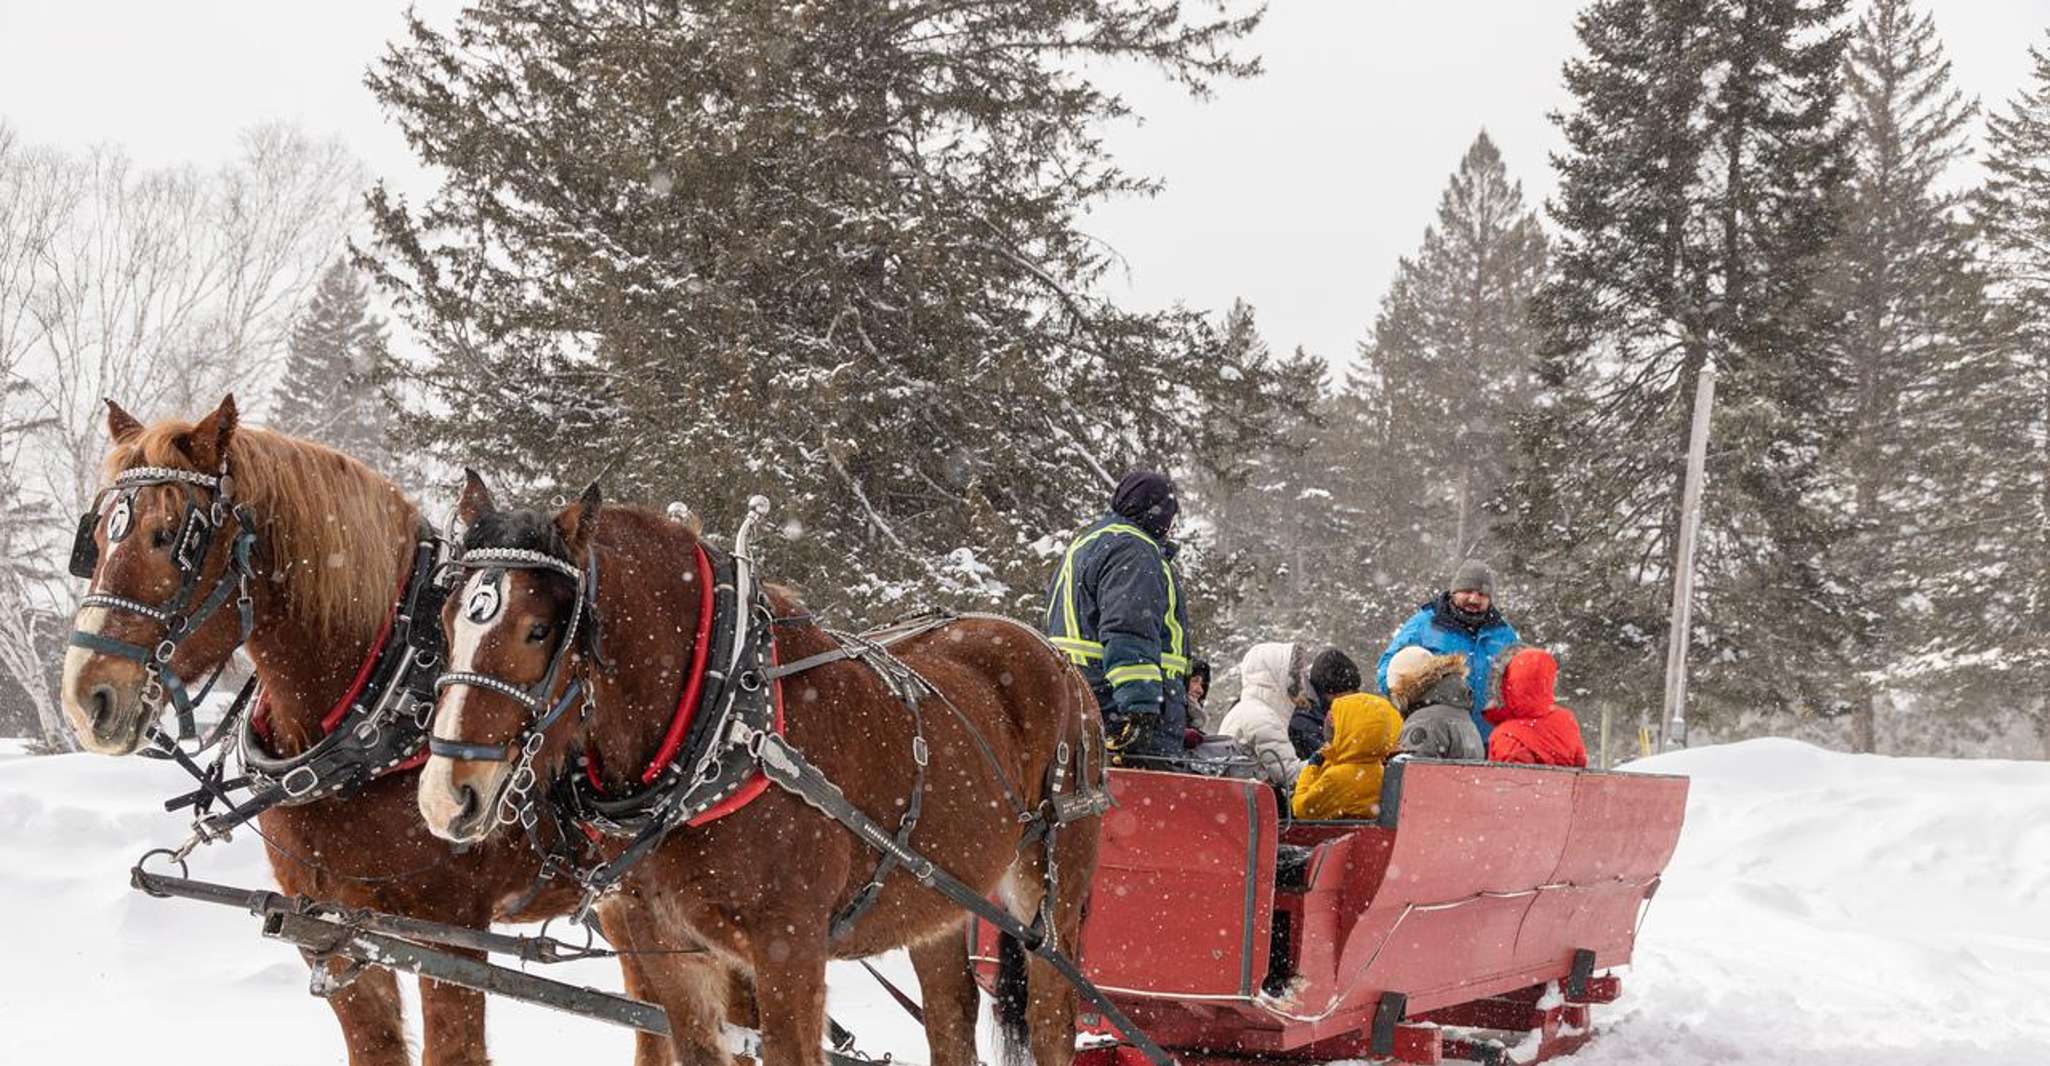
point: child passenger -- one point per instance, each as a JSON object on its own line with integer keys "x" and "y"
{"x": 1530, "y": 726}
{"x": 1343, "y": 779}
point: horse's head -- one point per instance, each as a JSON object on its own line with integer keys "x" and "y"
{"x": 518, "y": 633}
{"x": 167, "y": 551}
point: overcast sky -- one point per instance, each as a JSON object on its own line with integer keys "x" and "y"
{"x": 1297, "y": 190}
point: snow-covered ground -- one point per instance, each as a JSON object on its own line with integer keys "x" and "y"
{"x": 1823, "y": 908}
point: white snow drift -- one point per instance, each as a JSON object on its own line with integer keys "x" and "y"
{"x": 1821, "y": 908}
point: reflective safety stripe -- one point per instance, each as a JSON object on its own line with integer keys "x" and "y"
{"x": 1074, "y": 624}
{"x": 1176, "y": 647}
{"x": 1091, "y": 651}
{"x": 1079, "y": 649}
{"x": 1174, "y": 660}
{"x": 1133, "y": 672}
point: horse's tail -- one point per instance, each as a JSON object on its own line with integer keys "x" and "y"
{"x": 1014, "y": 1046}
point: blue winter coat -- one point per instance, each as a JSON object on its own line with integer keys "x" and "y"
{"x": 1437, "y": 629}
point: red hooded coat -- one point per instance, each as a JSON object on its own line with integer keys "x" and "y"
{"x": 1529, "y": 726}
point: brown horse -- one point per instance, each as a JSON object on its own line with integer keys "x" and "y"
{"x": 331, "y": 539}
{"x": 763, "y": 883}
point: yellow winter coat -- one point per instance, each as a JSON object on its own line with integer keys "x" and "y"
{"x": 1347, "y": 784}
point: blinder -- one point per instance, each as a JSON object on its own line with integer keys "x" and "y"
{"x": 85, "y": 548}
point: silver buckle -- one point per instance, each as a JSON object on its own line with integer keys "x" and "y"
{"x": 304, "y": 774}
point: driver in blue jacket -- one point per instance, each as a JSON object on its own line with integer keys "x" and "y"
{"x": 1115, "y": 608}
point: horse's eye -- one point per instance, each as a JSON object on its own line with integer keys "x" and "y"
{"x": 537, "y": 632}
{"x": 160, "y": 539}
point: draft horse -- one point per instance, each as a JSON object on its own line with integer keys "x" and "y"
{"x": 221, "y": 535}
{"x": 613, "y": 672}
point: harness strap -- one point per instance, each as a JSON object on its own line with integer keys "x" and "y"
{"x": 123, "y": 603}
{"x": 458, "y": 749}
{"x": 108, "y": 646}
{"x": 865, "y": 897}
{"x": 788, "y": 769}
{"x": 874, "y": 646}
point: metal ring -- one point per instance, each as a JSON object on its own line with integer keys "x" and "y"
{"x": 751, "y": 681}
{"x": 164, "y": 650}
{"x": 184, "y": 870}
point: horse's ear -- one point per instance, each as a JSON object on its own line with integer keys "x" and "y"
{"x": 207, "y": 444}
{"x": 581, "y": 520}
{"x": 121, "y": 426}
{"x": 475, "y": 502}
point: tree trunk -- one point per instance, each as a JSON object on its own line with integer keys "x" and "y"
{"x": 1459, "y": 527}
{"x": 56, "y": 731}
{"x": 1865, "y": 723}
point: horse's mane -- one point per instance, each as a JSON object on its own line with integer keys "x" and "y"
{"x": 320, "y": 513}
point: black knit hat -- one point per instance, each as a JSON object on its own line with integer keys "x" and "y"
{"x": 1334, "y": 674}
{"x": 1147, "y": 498}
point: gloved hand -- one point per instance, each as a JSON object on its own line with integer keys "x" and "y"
{"x": 1139, "y": 720}
{"x": 1192, "y": 738}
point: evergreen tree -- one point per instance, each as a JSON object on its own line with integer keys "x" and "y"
{"x": 829, "y": 252}
{"x": 1336, "y": 528}
{"x": 1909, "y": 469}
{"x": 1452, "y": 351}
{"x": 1268, "y": 537}
{"x": 1699, "y": 190}
{"x": 2011, "y": 617}
{"x": 334, "y": 363}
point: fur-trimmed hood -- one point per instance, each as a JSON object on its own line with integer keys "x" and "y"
{"x": 1409, "y": 689}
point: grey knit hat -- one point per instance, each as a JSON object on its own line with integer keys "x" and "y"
{"x": 1473, "y": 576}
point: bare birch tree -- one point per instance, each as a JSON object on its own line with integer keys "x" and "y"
{"x": 161, "y": 287}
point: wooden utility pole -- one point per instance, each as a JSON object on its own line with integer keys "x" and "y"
{"x": 1673, "y": 724}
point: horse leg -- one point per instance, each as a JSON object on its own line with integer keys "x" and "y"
{"x": 372, "y": 1017}
{"x": 694, "y": 990}
{"x": 1050, "y": 1001}
{"x": 946, "y": 984}
{"x": 790, "y": 990}
{"x": 452, "y": 1022}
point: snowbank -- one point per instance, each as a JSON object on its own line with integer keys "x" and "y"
{"x": 1854, "y": 908}
{"x": 1822, "y": 907}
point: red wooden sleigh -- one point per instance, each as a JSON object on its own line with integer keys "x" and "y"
{"x": 1478, "y": 913}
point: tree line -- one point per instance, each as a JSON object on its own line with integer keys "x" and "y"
{"x": 835, "y": 253}
{"x": 1776, "y": 189}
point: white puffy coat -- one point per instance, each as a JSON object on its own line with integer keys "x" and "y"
{"x": 1259, "y": 720}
